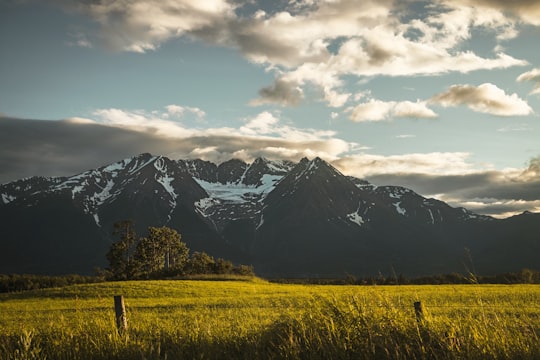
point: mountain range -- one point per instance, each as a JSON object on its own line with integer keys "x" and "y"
{"x": 287, "y": 219}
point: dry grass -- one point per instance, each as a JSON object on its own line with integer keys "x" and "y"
{"x": 186, "y": 319}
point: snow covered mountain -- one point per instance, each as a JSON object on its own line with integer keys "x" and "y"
{"x": 287, "y": 219}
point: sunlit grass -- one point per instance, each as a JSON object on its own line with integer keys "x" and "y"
{"x": 254, "y": 319}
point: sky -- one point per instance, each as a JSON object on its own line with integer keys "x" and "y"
{"x": 439, "y": 96}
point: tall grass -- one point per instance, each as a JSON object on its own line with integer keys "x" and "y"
{"x": 257, "y": 320}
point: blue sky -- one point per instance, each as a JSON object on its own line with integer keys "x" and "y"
{"x": 425, "y": 94}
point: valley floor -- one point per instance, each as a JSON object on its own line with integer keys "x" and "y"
{"x": 258, "y": 320}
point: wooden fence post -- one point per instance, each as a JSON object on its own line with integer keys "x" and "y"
{"x": 419, "y": 311}
{"x": 120, "y": 310}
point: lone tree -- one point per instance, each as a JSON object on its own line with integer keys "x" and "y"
{"x": 161, "y": 252}
{"x": 120, "y": 256}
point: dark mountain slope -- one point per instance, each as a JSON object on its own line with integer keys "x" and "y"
{"x": 53, "y": 236}
{"x": 317, "y": 222}
{"x": 286, "y": 219}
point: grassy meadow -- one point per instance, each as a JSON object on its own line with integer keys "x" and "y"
{"x": 197, "y": 319}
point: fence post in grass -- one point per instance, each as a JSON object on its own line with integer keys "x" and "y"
{"x": 419, "y": 311}
{"x": 120, "y": 310}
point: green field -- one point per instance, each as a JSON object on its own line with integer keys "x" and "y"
{"x": 259, "y": 320}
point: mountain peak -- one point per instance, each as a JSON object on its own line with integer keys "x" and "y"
{"x": 231, "y": 171}
{"x": 259, "y": 160}
{"x": 144, "y": 155}
{"x": 321, "y": 168}
{"x": 319, "y": 184}
{"x": 304, "y": 161}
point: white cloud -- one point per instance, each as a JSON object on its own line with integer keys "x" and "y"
{"x": 78, "y": 120}
{"x": 377, "y": 110}
{"x": 453, "y": 23}
{"x": 334, "y": 98}
{"x": 486, "y": 98}
{"x": 175, "y": 109}
{"x": 262, "y": 135}
{"x": 386, "y": 53}
{"x": 373, "y": 110}
{"x": 384, "y": 48}
{"x": 79, "y": 39}
{"x": 263, "y": 123}
{"x": 405, "y": 136}
{"x": 316, "y": 43}
{"x": 291, "y": 38}
{"x": 413, "y": 110}
{"x": 142, "y": 25}
{"x": 533, "y": 76}
{"x": 383, "y": 51}
{"x": 514, "y": 128}
{"x": 527, "y": 11}
{"x": 142, "y": 121}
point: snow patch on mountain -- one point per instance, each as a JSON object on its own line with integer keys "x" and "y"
{"x": 269, "y": 182}
{"x": 100, "y": 197}
{"x": 356, "y": 218}
{"x": 279, "y": 166}
{"x": 96, "y": 219}
{"x": 238, "y": 192}
{"x": 138, "y": 166}
{"x": 399, "y": 209}
{"x": 165, "y": 179}
{"x": 206, "y": 203}
{"x": 468, "y": 215}
{"x": 92, "y": 202}
{"x": 232, "y": 193}
{"x": 93, "y": 188}
{"x": 431, "y": 216}
{"x": 6, "y": 199}
{"x": 261, "y": 221}
{"x": 231, "y": 201}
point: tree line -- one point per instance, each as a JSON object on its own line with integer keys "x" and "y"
{"x": 524, "y": 276}
{"x": 24, "y": 282}
{"x": 160, "y": 254}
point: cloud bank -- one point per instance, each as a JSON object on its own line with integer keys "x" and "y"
{"x": 318, "y": 43}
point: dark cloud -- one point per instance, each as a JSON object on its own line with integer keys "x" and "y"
{"x": 490, "y": 192}
{"x": 496, "y": 208}
{"x": 481, "y": 185}
{"x": 67, "y": 147}
{"x": 57, "y": 148}
{"x": 433, "y": 184}
{"x": 378, "y": 54}
{"x": 282, "y": 92}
